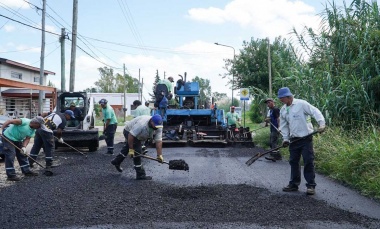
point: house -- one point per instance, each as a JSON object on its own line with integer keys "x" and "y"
{"x": 19, "y": 88}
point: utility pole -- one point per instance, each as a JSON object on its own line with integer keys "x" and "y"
{"x": 73, "y": 45}
{"x": 142, "y": 83}
{"x": 125, "y": 102}
{"x": 62, "y": 40}
{"x": 269, "y": 70}
{"x": 139, "y": 88}
{"x": 233, "y": 73}
{"x": 41, "y": 93}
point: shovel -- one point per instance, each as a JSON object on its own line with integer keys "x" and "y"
{"x": 73, "y": 148}
{"x": 46, "y": 172}
{"x": 173, "y": 164}
{"x": 258, "y": 155}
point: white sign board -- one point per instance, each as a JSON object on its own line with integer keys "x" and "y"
{"x": 244, "y": 94}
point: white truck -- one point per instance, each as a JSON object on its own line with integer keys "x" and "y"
{"x": 82, "y": 132}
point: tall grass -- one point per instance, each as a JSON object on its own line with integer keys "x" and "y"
{"x": 351, "y": 157}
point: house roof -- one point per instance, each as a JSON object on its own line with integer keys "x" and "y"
{"x": 24, "y": 66}
{"x": 18, "y": 84}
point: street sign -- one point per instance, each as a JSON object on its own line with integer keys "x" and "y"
{"x": 244, "y": 94}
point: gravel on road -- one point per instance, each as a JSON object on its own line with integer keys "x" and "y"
{"x": 88, "y": 193}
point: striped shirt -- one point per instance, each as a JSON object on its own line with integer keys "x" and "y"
{"x": 139, "y": 128}
{"x": 295, "y": 119}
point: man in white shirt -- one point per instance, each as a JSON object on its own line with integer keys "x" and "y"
{"x": 295, "y": 123}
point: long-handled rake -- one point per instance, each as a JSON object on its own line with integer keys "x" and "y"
{"x": 258, "y": 155}
{"x": 46, "y": 172}
{"x": 73, "y": 148}
{"x": 173, "y": 164}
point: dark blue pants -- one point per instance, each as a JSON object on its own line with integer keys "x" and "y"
{"x": 46, "y": 140}
{"x": 110, "y": 136}
{"x": 136, "y": 146}
{"x": 10, "y": 153}
{"x": 302, "y": 147}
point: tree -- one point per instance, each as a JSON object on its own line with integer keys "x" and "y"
{"x": 218, "y": 96}
{"x": 107, "y": 81}
{"x": 50, "y": 84}
{"x": 110, "y": 83}
{"x": 126, "y": 83}
{"x": 91, "y": 90}
{"x": 204, "y": 90}
{"x": 250, "y": 67}
{"x": 156, "y": 80}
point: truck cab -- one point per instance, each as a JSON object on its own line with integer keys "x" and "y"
{"x": 81, "y": 131}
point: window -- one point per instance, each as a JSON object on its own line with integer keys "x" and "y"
{"x": 16, "y": 75}
{"x": 36, "y": 79}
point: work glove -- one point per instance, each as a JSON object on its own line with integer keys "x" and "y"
{"x": 285, "y": 143}
{"x": 160, "y": 158}
{"x": 131, "y": 153}
{"x": 24, "y": 150}
{"x": 321, "y": 128}
{"x": 60, "y": 140}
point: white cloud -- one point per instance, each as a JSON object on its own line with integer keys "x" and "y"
{"x": 15, "y": 3}
{"x": 9, "y": 28}
{"x": 200, "y": 63}
{"x": 269, "y": 18}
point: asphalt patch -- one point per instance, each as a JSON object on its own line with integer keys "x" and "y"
{"x": 91, "y": 192}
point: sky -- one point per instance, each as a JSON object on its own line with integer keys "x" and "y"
{"x": 170, "y": 36}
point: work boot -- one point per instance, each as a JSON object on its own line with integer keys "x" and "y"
{"x": 140, "y": 174}
{"x": 290, "y": 188}
{"x": 117, "y": 162}
{"x": 30, "y": 173}
{"x": 14, "y": 178}
{"x": 274, "y": 156}
{"x": 49, "y": 165}
{"x": 310, "y": 191}
{"x": 109, "y": 152}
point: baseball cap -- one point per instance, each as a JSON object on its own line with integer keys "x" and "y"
{"x": 284, "y": 92}
{"x": 40, "y": 120}
{"x": 103, "y": 101}
{"x": 70, "y": 113}
{"x": 72, "y": 104}
{"x": 157, "y": 120}
{"x": 268, "y": 99}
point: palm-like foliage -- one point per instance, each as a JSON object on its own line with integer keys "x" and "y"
{"x": 342, "y": 69}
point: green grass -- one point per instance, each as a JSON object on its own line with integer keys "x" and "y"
{"x": 120, "y": 120}
{"x": 351, "y": 157}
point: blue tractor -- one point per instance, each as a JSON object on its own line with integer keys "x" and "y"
{"x": 188, "y": 122}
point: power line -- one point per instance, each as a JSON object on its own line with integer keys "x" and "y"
{"x": 23, "y": 50}
{"x": 95, "y": 58}
{"x": 28, "y": 25}
{"x": 13, "y": 15}
{"x": 129, "y": 19}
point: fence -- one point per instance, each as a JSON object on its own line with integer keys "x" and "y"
{"x": 22, "y": 107}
